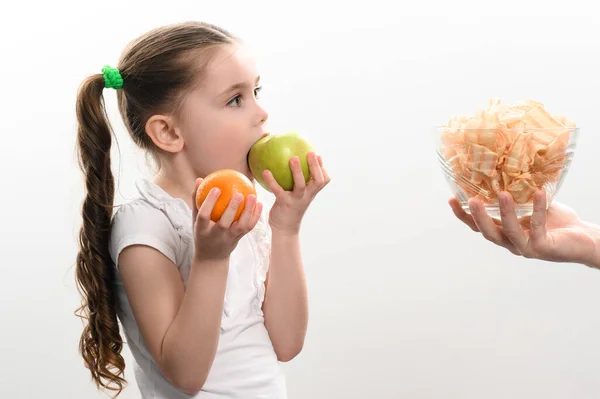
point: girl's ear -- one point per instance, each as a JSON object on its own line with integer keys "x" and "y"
{"x": 162, "y": 132}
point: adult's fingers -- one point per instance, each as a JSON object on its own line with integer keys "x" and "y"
{"x": 485, "y": 224}
{"x": 537, "y": 224}
{"x": 510, "y": 223}
{"x": 463, "y": 216}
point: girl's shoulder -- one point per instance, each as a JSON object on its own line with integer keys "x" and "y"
{"x": 153, "y": 206}
{"x": 154, "y": 219}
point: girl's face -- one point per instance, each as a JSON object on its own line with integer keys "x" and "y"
{"x": 222, "y": 118}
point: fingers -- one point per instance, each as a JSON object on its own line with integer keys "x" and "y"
{"x": 315, "y": 169}
{"x": 510, "y": 223}
{"x": 248, "y": 211}
{"x": 537, "y": 224}
{"x": 194, "y": 193}
{"x": 462, "y": 215}
{"x": 299, "y": 179}
{"x": 255, "y": 215}
{"x": 203, "y": 217}
{"x": 318, "y": 177}
{"x": 326, "y": 177}
{"x": 227, "y": 217}
{"x": 249, "y": 217}
{"x": 487, "y": 227}
{"x": 272, "y": 183}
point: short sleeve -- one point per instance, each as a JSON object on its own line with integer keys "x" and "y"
{"x": 139, "y": 223}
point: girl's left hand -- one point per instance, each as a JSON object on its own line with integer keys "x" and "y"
{"x": 290, "y": 206}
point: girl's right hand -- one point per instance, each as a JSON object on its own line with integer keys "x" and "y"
{"x": 215, "y": 241}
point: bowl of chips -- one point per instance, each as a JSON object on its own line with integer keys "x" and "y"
{"x": 516, "y": 148}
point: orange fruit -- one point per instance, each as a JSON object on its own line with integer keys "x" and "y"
{"x": 229, "y": 182}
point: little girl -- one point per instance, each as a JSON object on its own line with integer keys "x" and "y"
{"x": 208, "y": 309}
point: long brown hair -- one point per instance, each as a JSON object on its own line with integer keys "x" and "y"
{"x": 158, "y": 69}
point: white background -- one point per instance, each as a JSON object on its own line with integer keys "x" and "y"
{"x": 406, "y": 302}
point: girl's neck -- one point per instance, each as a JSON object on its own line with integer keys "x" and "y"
{"x": 178, "y": 182}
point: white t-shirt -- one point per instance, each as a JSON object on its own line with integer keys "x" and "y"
{"x": 245, "y": 365}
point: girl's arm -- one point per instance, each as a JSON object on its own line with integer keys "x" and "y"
{"x": 286, "y": 304}
{"x": 180, "y": 327}
{"x": 286, "y": 298}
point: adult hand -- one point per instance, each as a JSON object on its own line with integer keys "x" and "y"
{"x": 555, "y": 234}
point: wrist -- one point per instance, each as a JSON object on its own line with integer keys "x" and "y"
{"x": 285, "y": 232}
{"x": 204, "y": 270}
{"x": 200, "y": 260}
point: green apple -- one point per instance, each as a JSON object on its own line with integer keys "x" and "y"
{"x": 273, "y": 153}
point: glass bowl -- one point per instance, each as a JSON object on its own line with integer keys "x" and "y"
{"x": 484, "y": 162}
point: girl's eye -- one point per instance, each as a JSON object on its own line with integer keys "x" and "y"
{"x": 234, "y": 102}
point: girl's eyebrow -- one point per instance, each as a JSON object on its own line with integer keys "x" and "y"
{"x": 238, "y": 86}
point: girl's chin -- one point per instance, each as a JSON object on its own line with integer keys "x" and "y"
{"x": 247, "y": 173}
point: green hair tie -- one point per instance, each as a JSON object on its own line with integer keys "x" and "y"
{"x": 112, "y": 78}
